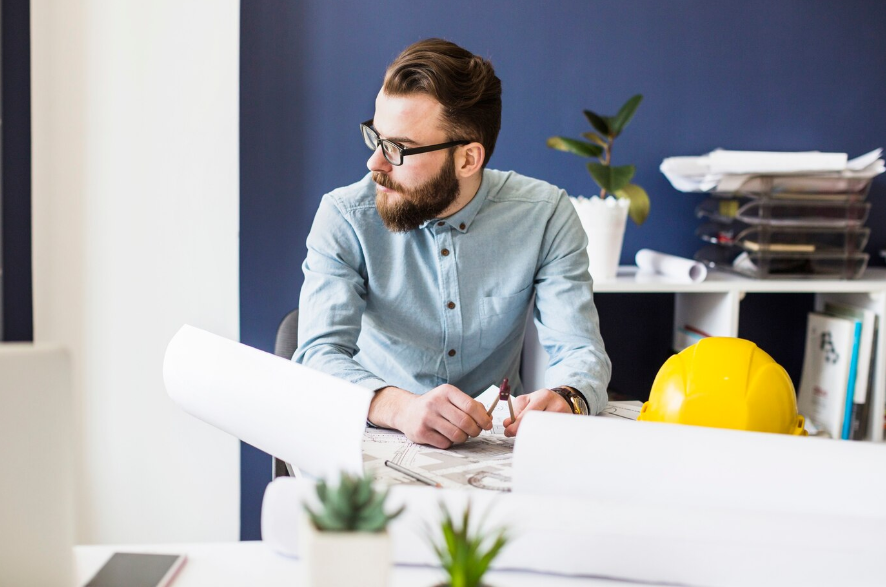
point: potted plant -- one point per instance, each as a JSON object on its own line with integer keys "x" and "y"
{"x": 604, "y": 218}
{"x": 350, "y": 525}
{"x": 465, "y": 555}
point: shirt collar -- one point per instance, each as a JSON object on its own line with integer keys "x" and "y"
{"x": 461, "y": 220}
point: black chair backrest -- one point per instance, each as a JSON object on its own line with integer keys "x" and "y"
{"x": 285, "y": 346}
{"x": 287, "y": 336}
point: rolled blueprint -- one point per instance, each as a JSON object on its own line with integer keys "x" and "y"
{"x": 681, "y": 465}
{"x": 671, "y": 266}
{"x": 691, "y": 545}
{"x": 309, "y": 419}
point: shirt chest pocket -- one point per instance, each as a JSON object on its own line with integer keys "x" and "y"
{"x": 503, "y": 318}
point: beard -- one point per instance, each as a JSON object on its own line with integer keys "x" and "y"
{"x": 419, "y": 204}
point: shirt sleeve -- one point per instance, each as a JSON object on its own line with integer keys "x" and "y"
{"x": 565, "y": 314}
{"x": 333, "y": 299}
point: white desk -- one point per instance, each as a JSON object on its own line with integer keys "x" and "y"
{"x": 253, "y": 563}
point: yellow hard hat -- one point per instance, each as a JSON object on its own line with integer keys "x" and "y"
{"x": 724, "y": 383}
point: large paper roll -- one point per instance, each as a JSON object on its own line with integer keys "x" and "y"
{"x": 678, "y": 268}
{"x": 620, "y": 539}
{"x": 681, "y": 465}
{"x": 310, "y": 419}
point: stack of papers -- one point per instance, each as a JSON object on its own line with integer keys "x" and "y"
{"x": 728, "y": 171}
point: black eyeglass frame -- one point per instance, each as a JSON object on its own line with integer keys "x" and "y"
{"x": 404, "y": 151}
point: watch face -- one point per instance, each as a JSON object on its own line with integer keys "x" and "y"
{"x": 579, "y": 405}
{"x": 582, "y": 406}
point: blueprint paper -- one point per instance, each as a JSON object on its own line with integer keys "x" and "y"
{"x": 307, "y": 418}
{"x": 485, "y": 462}
{"x": 482, "y": 463}
{"x": 624, "y": 410}
{"x": 655, "y": 463}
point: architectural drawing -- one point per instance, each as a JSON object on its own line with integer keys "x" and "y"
{"x": 484, "y": 462}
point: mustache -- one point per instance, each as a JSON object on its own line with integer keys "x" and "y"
{"x": 385, "y": 181}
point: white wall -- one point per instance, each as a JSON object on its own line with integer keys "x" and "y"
{"x": 136, "y": 216}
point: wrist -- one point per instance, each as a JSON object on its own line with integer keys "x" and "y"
{"x": 387, "y": 407}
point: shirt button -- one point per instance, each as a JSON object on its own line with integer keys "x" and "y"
{"x": 462, "y": 226}
{"x": 451, "y": 305}
{"x": 445, "y": 252}
{"x": 451, "y": 352}
{"x": 441, "y": 223}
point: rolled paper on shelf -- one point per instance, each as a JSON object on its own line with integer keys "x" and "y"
{"x": 671, "y": 265}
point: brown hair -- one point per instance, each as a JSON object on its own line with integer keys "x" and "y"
{"x": 464, "y": 84}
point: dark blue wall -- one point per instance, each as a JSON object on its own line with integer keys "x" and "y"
{"x": 17, "y": 305}
{"x": 774, "y": 74}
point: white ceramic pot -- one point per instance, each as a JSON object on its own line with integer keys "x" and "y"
{"x": 335, "y": 559}
{"x": 604, "y": 222}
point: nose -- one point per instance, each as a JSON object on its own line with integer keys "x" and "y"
{"x": 377, "y": 162}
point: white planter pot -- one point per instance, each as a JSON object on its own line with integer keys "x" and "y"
{"x": 335, "y": 559}
{"x": 604, "y": 222}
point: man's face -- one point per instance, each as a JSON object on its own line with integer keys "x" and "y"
{"x": 425, "y": 184}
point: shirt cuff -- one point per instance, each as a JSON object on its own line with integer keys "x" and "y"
{"x": 372, "y": 383}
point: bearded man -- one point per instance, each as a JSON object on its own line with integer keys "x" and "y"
{"x": 419, "y": 277}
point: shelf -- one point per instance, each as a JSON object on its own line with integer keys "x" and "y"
{"x": 629, "y": 280}
{"x": 713, "y": 306}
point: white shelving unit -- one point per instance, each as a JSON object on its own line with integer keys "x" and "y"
{"x": 714, "y": 305}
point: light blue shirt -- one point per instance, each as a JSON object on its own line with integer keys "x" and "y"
{"x": 447, "y": 302}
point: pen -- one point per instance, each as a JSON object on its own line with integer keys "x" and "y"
{"x": 413, "y": 474}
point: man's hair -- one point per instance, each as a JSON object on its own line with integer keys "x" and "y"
{"x": 464, "y": 84}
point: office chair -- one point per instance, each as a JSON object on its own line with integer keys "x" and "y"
{"x": 284, "y": 346}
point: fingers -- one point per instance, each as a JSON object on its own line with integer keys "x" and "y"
{"x": 445, "y": 416}
{"x": 543, "y": 400}
{"x": 431, "y": 438}
{"x": 470, "y": 407}
{"x": 460, "y": 420}
{"x": 530, "y": 403}
{"x": 433, "y": 429}
{"x": 520, "y": 402}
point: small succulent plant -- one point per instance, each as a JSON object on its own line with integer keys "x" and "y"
{"x": 353, "y": 505}
{"x": 466, "y": 555}
{"x": 612, "y": 180}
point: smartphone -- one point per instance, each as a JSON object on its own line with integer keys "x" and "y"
{"x": 131, "y": 569}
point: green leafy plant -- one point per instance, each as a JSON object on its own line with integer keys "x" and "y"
{"x": 612, "y": 180}
{"x": 466, "y": 555}
{"x": 352, "y": 506}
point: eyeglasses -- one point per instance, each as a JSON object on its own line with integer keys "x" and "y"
{"x": 393, "y": 152}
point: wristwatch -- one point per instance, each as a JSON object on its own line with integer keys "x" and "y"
{"x": 576, "y": 400}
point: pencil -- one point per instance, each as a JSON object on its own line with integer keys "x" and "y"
{"x": 413, "y": 474}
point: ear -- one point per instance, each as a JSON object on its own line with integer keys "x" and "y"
{"x": 469, "y": 160}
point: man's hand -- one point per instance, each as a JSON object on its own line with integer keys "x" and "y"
{"x": 543, "y": 400}
{"x": 442, "y": 417}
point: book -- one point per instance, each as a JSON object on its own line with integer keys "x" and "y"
{"x": 861, "y": 413}
{"x": 850, "y": 383}
{"x": 865, "y": 365}
{"x": 827, "y": 366}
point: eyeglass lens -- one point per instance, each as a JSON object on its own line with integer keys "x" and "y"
{"x": 389, "y": 149}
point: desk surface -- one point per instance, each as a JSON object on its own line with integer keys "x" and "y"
{"x": 253, "y": 563}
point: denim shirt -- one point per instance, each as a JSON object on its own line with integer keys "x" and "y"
{"x": 448, "y": 301}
